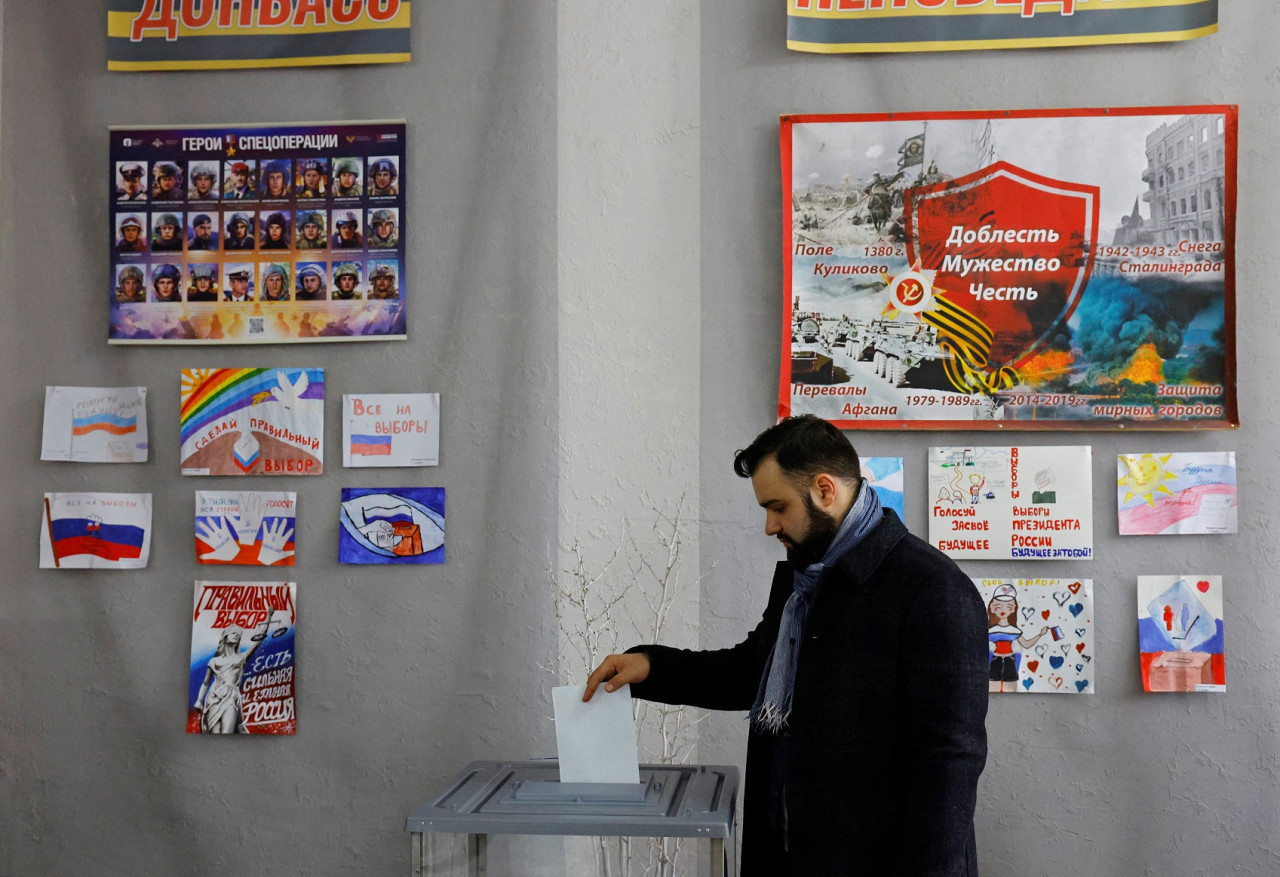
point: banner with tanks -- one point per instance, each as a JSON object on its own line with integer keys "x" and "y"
{"x": 1029, "y": 269}
{"x": 257, "y": 234}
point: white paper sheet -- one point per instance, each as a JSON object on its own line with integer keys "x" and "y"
{"x": 596, "y": 741}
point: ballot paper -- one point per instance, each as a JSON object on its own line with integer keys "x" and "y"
{"x": 596, "y": 741}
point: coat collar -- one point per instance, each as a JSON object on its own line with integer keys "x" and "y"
{"x": 859, "y": 564}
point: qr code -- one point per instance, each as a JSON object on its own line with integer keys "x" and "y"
{"x": 257, "y": 325}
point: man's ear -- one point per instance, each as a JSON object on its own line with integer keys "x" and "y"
{"x": 823, "y": 488}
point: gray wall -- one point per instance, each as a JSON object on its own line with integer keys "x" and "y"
{"x": 1119, "y": 782}
{"x": 404, "y": 675}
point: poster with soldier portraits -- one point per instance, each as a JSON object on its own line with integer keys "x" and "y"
{"x": 266, "y": 234}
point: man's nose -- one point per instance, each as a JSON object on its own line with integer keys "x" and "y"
{"x": 771, "y": 525}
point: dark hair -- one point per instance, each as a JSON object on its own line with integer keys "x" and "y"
{"x": 804, "y": 446}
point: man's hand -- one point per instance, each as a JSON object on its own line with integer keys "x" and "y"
{"x": 252, "y": 507}
{"x": 618, "y": 670}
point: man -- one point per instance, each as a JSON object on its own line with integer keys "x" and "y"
{"x": 311, "y": 231}
{"x": 276, "y": 234}
{"x": 384, "y": 235}
{"x": 312, "y": 180}
{"x": 346, "y": 277}
{"x": 129, "y": 286}
{"x": 237, "y": 186}
{"x": 382, "y": 176}
{"x": 166, "y": 187}
{"x": 275, "y": 283}
{"x": 130, "y": 240}
{"x": 164, "y": 283}
{"x": 203, "y": 176}
{"x": 239, "y": 232}
{"x": 202, "y": 233}
{"x": 165, "y": 236}
{"x": 310, "y": 283}
{"x": 275, "y": 176}
{"x": 130, "y": 187}
{"x": 348, "y": 179}
{"x": 347, "y": 237}
{"x": 239, "y": 290}
{"x": 865, "y": 679}
{"x": 203, "y": 279}
{"x": 382, "y": 283}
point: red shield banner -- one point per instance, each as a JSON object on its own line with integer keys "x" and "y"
{"x": 1012, "y": 252}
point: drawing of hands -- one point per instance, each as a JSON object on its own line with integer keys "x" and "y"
{"x": 219, "y": 539}
{"x": 287, "y": 394}
{"x": 274, "y": 538}
{"x": 381, "y": 534}
{"x": 252, "y": 507}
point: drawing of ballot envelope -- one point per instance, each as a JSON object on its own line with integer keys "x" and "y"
{"x": 391, "y": 525}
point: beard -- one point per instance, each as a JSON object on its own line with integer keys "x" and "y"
{"x": 817, "y": 539}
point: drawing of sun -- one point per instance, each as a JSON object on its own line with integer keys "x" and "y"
{"x": 1145, "y": 477}
{"x": 192, "y": 379}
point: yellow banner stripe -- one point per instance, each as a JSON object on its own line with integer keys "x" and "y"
{"x": 120, "y": 25}
{"x": 246, "y": 63}
{"x": 958, "y": 45}
{"x": 985, "y": 9}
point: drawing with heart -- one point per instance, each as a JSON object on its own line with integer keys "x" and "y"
{"x": 1062, "y": 597}
{"x": 1056, "y": 681}
{"x": 1027, "y": 683}
{"x": 1027, "y": 612}
{"x": 1033, "y": 666}
{"x": 1066, "y": 647}
{"x": 1045, "y": 615}
{"x": 1074, "y": 587}
{"x": 1055, "y": 662}
{"x": 1040, "y": 650}
{"x": 1082, "y": 684}
{"x": 1081, "y": 631}
{"x": 1076, "y": 609}
{"x": 1202, "y": 586}
{"x": 1079, "y": 668}
{"x": 1080, "y": 647}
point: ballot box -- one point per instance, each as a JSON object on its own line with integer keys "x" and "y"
{"x": 527, "y": 797}
{"x": 1180, "y": 671}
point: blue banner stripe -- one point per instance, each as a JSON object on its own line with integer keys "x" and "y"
{"x": 241, "y": 48}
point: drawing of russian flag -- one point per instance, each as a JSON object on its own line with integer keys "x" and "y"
{"x": 371, "y": 445}
{"x": 72, "y": 536}
{"x": 109, "y": 423}
{"x": 398, "y": 514}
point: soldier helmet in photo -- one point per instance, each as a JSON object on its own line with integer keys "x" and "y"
{"x": 313, "y": 218}
{"x": 167, "y": 169}
{"x": 347, "y": 166}
{"x": 310, "y": 271}
{"x": 384, "y": 215}
{"x": 163, "y": 271}
{"x": 202, "y": 170}
{"x": 132, "y": 272}
{"x": 131, "y": 222}
{"x": 383, "y": 165}
{"x": 383, "y": 270}
{"x": 204, "y": 269}
{"x": 348, "y": 218}
{"x": 346, "y": 268}
{"x": 167, "y": 219}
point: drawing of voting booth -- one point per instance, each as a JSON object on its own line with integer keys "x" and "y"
{"x": 527, "y": 797}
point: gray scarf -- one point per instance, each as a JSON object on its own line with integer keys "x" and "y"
{"x": 777, "y": 684}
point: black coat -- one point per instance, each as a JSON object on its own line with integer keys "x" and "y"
{"x": 887, "y": 730}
